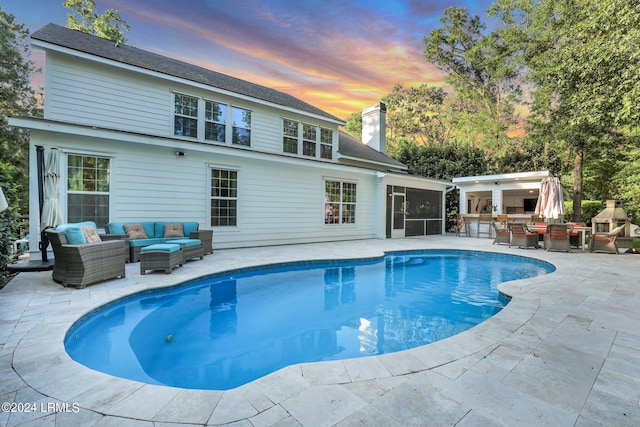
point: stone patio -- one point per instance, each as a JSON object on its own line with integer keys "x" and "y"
{"x": 564, "y": 352}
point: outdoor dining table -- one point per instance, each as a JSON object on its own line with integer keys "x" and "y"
{"x": 583, "y": 230}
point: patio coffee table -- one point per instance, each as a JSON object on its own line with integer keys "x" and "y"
{"x": 161, "y": 256}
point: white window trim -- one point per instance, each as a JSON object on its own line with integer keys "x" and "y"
{"x": 301, "y": 140}
{"x": 64, "y": 176}
{"x": 324, "y": 201}
{"x": 210, "y": 167}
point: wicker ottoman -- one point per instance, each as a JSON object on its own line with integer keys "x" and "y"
{"x": 162, "y": 256}
{"x": 191, "y": 248}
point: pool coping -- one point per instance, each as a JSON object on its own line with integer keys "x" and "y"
{"x": 41, "y": 362}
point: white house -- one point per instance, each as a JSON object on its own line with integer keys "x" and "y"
{"x": 509, "y": 193}
{"x": 146, "y": 137}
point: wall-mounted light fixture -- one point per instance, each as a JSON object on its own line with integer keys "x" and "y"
{"x": 180, "y": 153}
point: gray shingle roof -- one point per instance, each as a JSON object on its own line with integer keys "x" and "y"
{"x": 352, "y": 147}
{"x": 76, "y": 40}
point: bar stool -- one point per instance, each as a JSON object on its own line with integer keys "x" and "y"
{"x": 463, "y": 222}
{"x": 484, "y": 220}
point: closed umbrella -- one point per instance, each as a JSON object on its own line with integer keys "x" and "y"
{"x": 3, "y": 201}
{"x": 550, "y": 202}
{"x": 51, "y": 211}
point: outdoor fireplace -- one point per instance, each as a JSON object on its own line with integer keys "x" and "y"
{"x": 611, "y": 217}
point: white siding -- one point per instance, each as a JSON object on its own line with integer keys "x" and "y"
{"x": 279, "y": 202}
{"x": 82, "y": 92}
{"x": 91, "y": 95}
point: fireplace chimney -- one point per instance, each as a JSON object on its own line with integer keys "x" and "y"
{"x": 374, "y": 126}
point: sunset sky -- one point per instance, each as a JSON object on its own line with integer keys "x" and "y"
{"x": 337, "y": 55}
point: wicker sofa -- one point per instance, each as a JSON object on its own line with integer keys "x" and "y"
{"x": 155, "y": 233}
{"x": 78, "y": 262}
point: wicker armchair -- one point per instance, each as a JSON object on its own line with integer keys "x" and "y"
{"x": 557, "y": 237}
{"x": 522, "y": 237}
{"x": 503, "y": 235}
{"x": 84, "y": 264}
{"x": 605, "y": 242}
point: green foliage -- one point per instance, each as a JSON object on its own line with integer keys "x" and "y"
{"x": 581, "y": 59}
{"x": 106, "y": 26}
{"x": 9, "y": 218}
{"x": 416, "y": 113}
{"x": 589, "y": 209}
{"x": 17, "y": 98}
{"x": 485, "y": 79}
{"x": 354, "y": 125}
{"x": 441, "y": 161}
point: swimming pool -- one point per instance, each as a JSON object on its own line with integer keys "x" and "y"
{"x": 229, "y": 329}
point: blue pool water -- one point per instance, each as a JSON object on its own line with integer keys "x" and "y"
{"x": 226, "y": 330}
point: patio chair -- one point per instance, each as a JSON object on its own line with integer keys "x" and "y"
{"x": 557, "y": 237}
{"x": 502, "y": 220}
{"x": 605, "y": 242}
{"x": 522, "y": 237}
{"x": 463, "y": 223}
{"x": 484, "y": 224}
{"x": 503, "y": 235}
{"x": 79, "y": 265}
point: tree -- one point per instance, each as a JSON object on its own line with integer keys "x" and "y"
{"x": 17, "y": 98}
{"x": 582, "y": 59}
{"x": 354, "y": 125}
{"x": 480, "y": 70}
{"x": 416, "y": 113}
{"x": 106, "y": 26}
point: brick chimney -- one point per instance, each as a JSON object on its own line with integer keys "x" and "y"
{"x": 374, "y": 126}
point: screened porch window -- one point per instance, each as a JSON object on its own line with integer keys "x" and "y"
{"x": 88, "y": 181}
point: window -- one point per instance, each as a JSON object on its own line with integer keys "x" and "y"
{"x": 290, "y": 136}
{"x": 340, "y": 202}
{"x": 326, "y": 143}
{"x": 215, "y": 117}
{"x": 224, "y": 197}
{"x": 186, "y": 116}
{"x": 88, "y": 180}
{"x": 308, "y": 141}
{"x": 241, "y": 126}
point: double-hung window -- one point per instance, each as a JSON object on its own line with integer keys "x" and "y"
{"x": 185, "y": 115}
{"x": 309, "y": 135}
{"x": 306, "y": 139}
{"x": 209, "y": 120}
{"x": 88, "y": 182}
{"x": 215, "y": 118}
{"x": 290, "y": 136}
{"x": 241, "y": 126}
{"x": 326, "y": 143}
{"x": 340, "y": 202}
{"x": 224, "y": 198}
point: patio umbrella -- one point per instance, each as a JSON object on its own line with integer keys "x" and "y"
{"x": 3, "y": 201}
{"x": 550, "y": 199}
{"x": 51, "y": 215}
